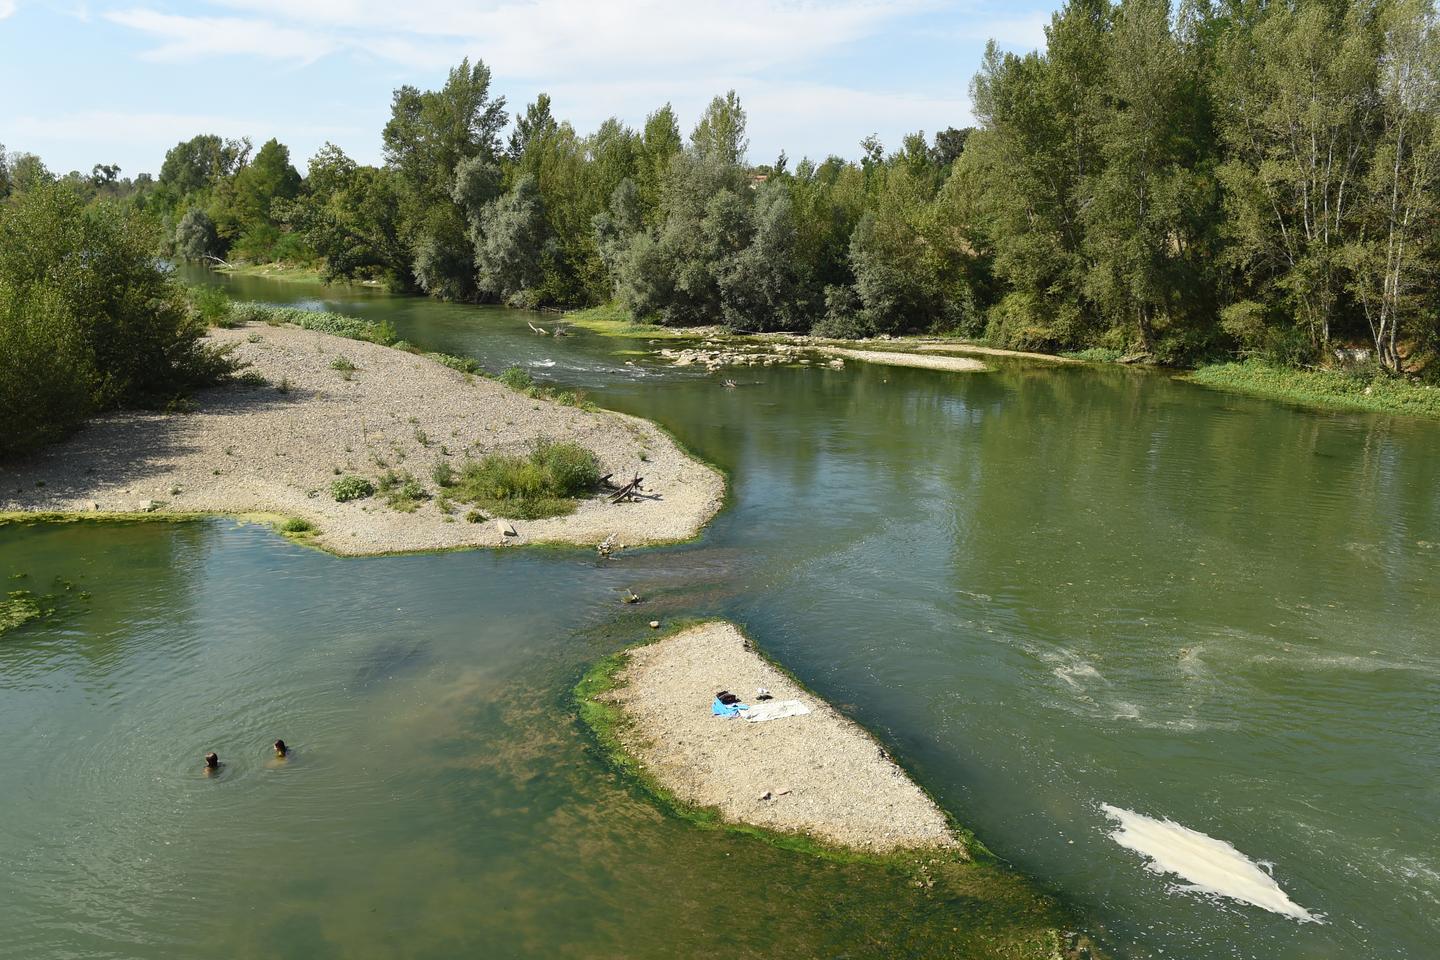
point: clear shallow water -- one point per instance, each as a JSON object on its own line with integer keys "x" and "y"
{"x": 1046, "y": 589}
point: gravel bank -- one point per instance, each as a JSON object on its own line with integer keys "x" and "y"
{"x": 897, "y": 359}
{"x": 258, "y": 449}
{"x": 996, "y": 352}
{"x": 823, "y": 774}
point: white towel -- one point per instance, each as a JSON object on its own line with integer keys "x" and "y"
{"x": 775, "y": 710}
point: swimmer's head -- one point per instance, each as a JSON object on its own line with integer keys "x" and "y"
{"x": 280, "y": 748}
{"x": 212, "y": 761}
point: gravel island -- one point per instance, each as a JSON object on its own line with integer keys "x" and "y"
{"x": 312, "y": 408}
{"x": 818, "y": 774}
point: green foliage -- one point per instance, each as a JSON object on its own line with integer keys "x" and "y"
{"x": 402, "y": 491}
{"x": 297, "y": 527}
{"x": 196, "y": 237}
{"x": 88, "y": 320}
{"x": 463, "y": 364}
{"x": 350, "y": 488}
{"x": 541, "y": 484}
{"x": 517, "y": 378}
{"x": 213, "y": 306}
{"x": 1374, "y": 391}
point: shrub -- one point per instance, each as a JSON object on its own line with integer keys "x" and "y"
{"x": 89, "y": 320}
{"x": 463, "y": 364}
{"x": 383, "y": 333}
{"x": 351, "y": 488}
{"x": 443, "y": 474}
{"x": 296, "y": 525}
{"x": 517, "y": 378}
{"x": 213, "y": 306}
{"x": 343, "y": 364}
{"x": 543, "y": 483}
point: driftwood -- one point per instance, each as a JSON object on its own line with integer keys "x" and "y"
{"x": 223, "y": 263}
{"x": 540, "y": 330}
{"x": 628, "y": 492}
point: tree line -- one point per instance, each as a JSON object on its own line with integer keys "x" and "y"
{"x": 1180, "y": 183}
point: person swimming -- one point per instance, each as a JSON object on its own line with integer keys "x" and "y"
{"x": 212, "y": 763}
{"x": 281, "y": 751}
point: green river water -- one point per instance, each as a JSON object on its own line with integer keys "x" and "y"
{"x": 1045, "y": 589}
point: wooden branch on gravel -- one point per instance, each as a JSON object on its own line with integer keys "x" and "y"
{"x": 628, "y": 492}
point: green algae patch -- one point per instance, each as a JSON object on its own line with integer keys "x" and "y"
{"x": 19, "y": 607}
{"x": 1322, "y": 389}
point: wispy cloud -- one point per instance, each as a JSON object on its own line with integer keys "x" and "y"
{"x": 530, "y": 37}
{"x": 7, "y": 7}
{"x": 188, "y": 39}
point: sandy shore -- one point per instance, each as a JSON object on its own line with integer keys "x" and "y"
{"x": 258, "y": 449}
{"x": 819, "y": 774}
{"x": 898, "y": 359}
{"x": 994, "y": 352}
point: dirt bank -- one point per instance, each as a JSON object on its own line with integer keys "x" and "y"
{"x": 320, "y": 406}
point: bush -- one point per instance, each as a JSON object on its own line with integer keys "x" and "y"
{"x": 296, "y": 525}
{"x": 89, "y": 321}
{"x": 213, "y": 306}
{"x": 543, "y": 483}
{"x": 518, "y": 378}
{"x": 463, "y": 364}
{"x": 443, "y": 474}
{"x": 351, "y": 488}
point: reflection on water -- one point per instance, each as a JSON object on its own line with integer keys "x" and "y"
{"x": 1045, "y": 589}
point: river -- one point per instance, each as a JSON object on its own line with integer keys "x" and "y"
{"x": 1045, "y": 589}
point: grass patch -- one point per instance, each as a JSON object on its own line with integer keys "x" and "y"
{"x": 613, "y": 320}
{"x": 1366, "y": 390}
{"x": 402, "y": 491}
{"x": 321, "y": 321}
{"x": 297, "y": 527}
{"x": 351, "y": 488}
{"x": 1095, "y": 355}
{"x": 543, "y": 483}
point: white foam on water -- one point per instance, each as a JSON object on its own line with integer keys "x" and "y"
{"x": 1208, "y": 865}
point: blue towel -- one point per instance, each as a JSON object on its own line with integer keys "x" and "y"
{"x": 726, "y": 709}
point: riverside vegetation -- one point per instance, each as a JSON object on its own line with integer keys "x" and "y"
{"x": 1186, "y": 184}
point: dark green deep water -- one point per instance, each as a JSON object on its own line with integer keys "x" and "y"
{"x": 1044, "y": 589}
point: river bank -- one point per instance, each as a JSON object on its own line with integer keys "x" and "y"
{"x": 311, "y": 409}
{"x": 1322, "y": 389}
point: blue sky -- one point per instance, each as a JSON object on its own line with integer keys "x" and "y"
{"x": 89, "y": 81}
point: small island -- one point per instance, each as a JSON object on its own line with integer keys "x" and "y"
{"x": 350, "y": 444}
{"x": 818, "y": 775}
